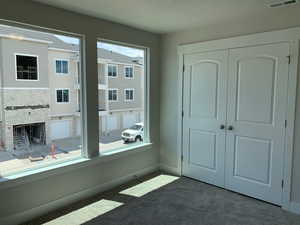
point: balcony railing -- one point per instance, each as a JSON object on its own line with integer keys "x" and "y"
{"x": 100, "y": 86}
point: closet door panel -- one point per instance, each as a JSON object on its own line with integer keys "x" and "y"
{"x": 204, "y": 104}
{"x": 257, "y": 89}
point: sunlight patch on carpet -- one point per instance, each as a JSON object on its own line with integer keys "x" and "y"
{"x": 149, "y": 185}
{"x": 86, "y": 213}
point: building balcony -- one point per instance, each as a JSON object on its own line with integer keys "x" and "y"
{"x": 100, "y": 86}
{"x": 102, "y": 112}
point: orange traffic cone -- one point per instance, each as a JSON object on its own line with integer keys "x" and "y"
{"x": 53, "y": 151}
{"x": 2, "y": 145}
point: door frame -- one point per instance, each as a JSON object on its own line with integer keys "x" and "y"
{"x": 291, "y": 36}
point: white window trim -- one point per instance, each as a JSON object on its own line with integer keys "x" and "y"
{"x": 133, "y": 94}
{"x": 129, "y": 66}
{"x": 113, "y": 89}
{"x": 87, "y": 140}
{"x": 57, "y": 89}
{"x": 62, "y": 74}
{"x": 117, "y": 72}
{"x": 37, "y": 69}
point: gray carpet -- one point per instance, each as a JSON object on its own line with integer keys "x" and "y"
{"x": 189, "y": 202}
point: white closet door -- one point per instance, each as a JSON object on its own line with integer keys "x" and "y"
{"x": 204, "y": 106}
{"x": 257, "y": 90}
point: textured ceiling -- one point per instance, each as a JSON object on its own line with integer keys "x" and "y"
{"x": 165, "y": 16}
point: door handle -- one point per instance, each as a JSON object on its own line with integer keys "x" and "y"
{"x": 230, "y": 128}
{"x": 222, "y": 127}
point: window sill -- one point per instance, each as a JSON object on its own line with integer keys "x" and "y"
{"x": 63, "y": 167}
{"x": 118, "y": 153}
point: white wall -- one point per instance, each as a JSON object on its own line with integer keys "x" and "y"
{"x": 169, "y": 79}
{"x": 35, "y": 194}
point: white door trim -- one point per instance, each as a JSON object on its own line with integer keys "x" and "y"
{"x": 292, "y": 36}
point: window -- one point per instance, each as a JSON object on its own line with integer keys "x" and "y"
{"x": 27, "y": 67}
{"x": 42, "y": 125}
{"x": 112, "y": 70}
{"x": 128, "y": 72}
{"x": 62, "y": 96}
{"x": 122, "y": 120}
{"x": 113, "y": 95}
{"x": 62, "y": 66}
{"x": 129, "y": 95}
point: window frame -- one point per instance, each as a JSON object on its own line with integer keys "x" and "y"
{"x": 145, "y": 92}
{"x": 85, "y": 85}
{"x": 90, "y": 143}
{"x": 129, "y": 66}
{"x": 133, "y": 95}
{"x": 62, "y": 89}
{"x": 62, "y": 74}
{"x": 114, "y": 65}
{"x": 16, "y": 66}
{"x": 117, "y": 94}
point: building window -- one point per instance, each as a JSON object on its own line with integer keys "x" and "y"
{"x": 129, "y": 95}
{"x": 27, "y": 67}
{"x": 128, "y": 72}
{"x": 62, "y": 66}
{"x": 112, "y": 70}
{"x": 113, "y": 95}
{"x": 62, "y": 96}
{"x": 124, "y": 124}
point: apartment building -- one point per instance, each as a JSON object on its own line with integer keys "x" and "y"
{"x": 40, "y": 89}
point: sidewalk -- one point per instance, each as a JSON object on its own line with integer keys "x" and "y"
{"x": 43, "y": 155}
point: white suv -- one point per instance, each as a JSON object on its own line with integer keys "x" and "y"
{"x": 134, "y": 133}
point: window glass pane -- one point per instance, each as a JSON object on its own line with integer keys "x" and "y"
{"x": 128, "y": 72}
{"x": 36, "y": 129}
{"x": 26, "y": 67}
{"x": 66, "y": 95}
{"x": 121, "y": 100}
{"x": 112, "y": 70}
{"x": 112, "y": 95}
{"x": 59, "y": 96}
{"x": 65, "y": 66}
{"x": 58, "y": 66}
{"x": 129, "y": 95}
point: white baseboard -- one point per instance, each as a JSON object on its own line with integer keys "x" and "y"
{"x": 295, "y": 207}
{"x": 48, "y": 207}
{"x": 169, "y": 169}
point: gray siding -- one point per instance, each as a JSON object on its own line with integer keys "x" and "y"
{"x": 65, "y": 81}
{"x": 121, "y": 83}
{"x": 102, "y": 98}
{"x": 101, "y": 73}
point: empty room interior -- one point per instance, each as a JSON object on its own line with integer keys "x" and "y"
{"x": 141, "y": 112}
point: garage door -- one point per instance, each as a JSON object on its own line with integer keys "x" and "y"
{"x": 129, "y": 120}
{"x": 60, "y": 129}
{"x": 112, "y": 123}
{"x": 78, "y": 127}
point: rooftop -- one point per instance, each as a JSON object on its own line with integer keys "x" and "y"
{"x": 53, "y": 41}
